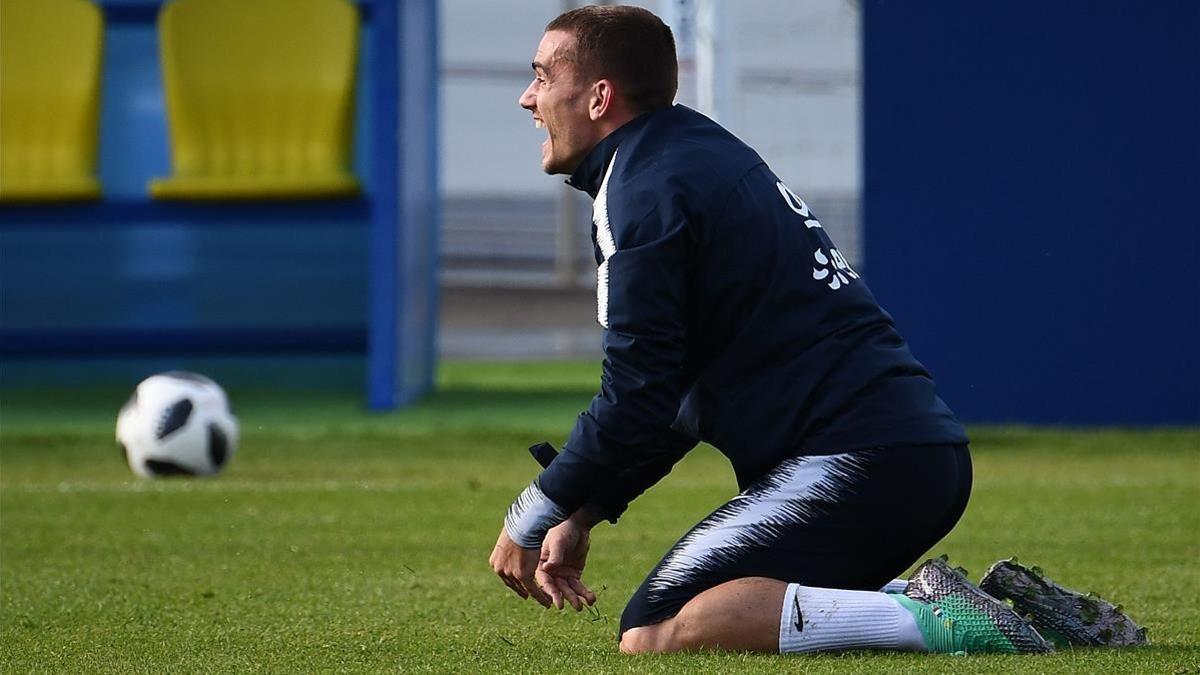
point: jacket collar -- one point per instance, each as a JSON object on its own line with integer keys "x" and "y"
{"x": 590, "y": 172}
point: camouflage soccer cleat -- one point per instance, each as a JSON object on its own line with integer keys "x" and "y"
{"x": 1062, "y": 615}
{"x": 955, "y": 616}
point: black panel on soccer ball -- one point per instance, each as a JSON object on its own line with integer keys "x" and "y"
{"x": 218, "y": 446}
{"x": 162, "y": 467}
{"x": 173, "y": 418}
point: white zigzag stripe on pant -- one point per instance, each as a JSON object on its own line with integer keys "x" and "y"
{"x": 791, "y": 493}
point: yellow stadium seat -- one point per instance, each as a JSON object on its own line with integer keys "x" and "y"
{"x": 49, "y": 94}
{"x": 260, "y": 98}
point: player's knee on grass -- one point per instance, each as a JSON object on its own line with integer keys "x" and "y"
{"x": 740, "y": 615}
{"x": 644, "y": 630}
{"x": 672, "y": 635}
{"x": 658, "y": 638}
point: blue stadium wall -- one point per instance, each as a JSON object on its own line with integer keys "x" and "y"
{"x": 1032, "y": 173}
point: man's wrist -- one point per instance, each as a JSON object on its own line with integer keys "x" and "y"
{"x": 586, "y": 517}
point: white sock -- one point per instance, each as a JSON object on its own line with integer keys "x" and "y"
{"x": 895, "y": 586}
{"x": 827, "y": 619}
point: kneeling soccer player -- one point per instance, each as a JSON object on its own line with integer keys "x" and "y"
{"x": 730, "y": 317}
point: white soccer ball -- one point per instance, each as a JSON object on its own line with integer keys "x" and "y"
{"x": 177, "y": 424}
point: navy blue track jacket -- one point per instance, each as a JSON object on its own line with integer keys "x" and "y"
{"x": 729, "y": 317}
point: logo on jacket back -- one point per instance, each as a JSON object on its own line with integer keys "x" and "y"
{"x": 796, "y": 204}
{"x": 838, "y": 271}
{"x": 831, "y": 265}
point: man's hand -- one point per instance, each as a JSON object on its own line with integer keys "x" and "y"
{"x": 564, "y": 554}
{"x": 516, "y": 566}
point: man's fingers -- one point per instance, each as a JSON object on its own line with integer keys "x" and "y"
{"x": 511, "y": 582}
{"x": 561, "y": 589}
{"x": 549, "y": 584}
{"x": 582, "y": 591}
{"x": 538, "y": 594}
{"x": 541, "y": 596}
{"x": 569, "y": 595}
{"x": 503, "y": 575}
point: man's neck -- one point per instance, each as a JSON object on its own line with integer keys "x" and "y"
{"x": 587, "y": 175}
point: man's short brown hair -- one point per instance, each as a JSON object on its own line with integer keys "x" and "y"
{"x": 628, "y": 45}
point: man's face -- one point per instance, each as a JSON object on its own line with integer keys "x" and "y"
{"x": 559, "y": 101}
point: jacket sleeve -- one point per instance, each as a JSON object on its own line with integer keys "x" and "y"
{"x": 612, "y": 500}
{"x": 641, "y": 297}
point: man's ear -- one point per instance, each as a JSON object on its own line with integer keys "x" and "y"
{"x": 601, "y": 99}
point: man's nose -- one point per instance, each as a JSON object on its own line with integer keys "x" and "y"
{"x": 527, "y": 99}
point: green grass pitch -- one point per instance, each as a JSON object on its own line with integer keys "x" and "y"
{"x": 343, "y": 541}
